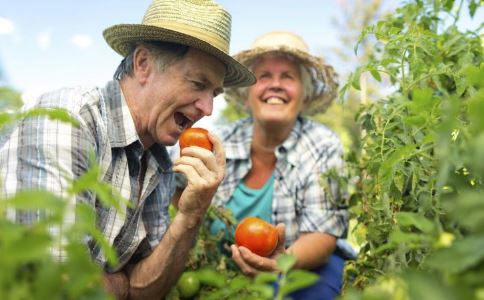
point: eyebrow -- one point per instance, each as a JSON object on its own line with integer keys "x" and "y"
{"x": 218, "y": 90}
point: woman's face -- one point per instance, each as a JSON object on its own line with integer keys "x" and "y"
{"x": 277, "y": 97}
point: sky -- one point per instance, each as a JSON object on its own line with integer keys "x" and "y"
{"x": 49, "y": 44}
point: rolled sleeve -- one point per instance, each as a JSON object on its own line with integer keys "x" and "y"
{"x": 320, "y": 213}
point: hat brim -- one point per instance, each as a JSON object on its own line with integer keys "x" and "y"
{"x": 123, "y": 37}
{"x": 321, "y": 73}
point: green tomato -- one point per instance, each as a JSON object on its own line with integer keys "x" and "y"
{"x": 188, "y": 285}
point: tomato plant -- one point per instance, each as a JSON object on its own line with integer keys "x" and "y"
{"x": 417, "y": 170}
{"x": 195, "y": 137}
{"x": 257, "y": 235}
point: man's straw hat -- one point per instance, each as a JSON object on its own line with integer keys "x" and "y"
{"x": 324, "y": 78}
{"x": 202, "y": 24}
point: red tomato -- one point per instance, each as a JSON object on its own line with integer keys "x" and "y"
{"x": 257, "y": 235}
{"x": 195, "y": 137}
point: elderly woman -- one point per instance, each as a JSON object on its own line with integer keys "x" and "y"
{"x": 276, "y": 157}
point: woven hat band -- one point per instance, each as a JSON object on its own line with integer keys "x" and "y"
{"x": 213, "y": 40}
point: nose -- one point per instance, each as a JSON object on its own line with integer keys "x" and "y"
{"x": 275, "y": 83}
{"x": 205, "y": 105}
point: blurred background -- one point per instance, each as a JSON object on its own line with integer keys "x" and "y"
{"x": 46, "y": 45}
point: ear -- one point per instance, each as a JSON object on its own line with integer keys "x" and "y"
{"x": 142, "y": 64}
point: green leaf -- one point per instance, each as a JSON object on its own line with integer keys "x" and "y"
{"x": 239, "y": 282}
{"x": 448, "y": 4}
{"x": 266, "y": 277}
{"x": 460, "y": 256}
{"x": 427, "y": 286}
{"x": 209, "y": 276}
{"x": 266, "y": 291}
{"x": 408, "y": 219}
{"x": 422, "y": 101}
{"x": 473, "y": 5}
{"x": 375, "y": 74}
{"x": 33, "y": 245}
{"x": 53, "y": 114}
{"x": 33, "y": 200}
{"x": 285, "y": 262}
{"x": 410, "y": 240}
{"x": 415, "y": 120}
{"x": 474, "y": 75}
{"x": 296, "y": 280}
{"x": 385, "y": 173}
{"x": 467, "y": 210}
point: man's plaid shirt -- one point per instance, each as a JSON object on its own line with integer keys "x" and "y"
{"x": 299, "y": 200}
{"x": 39, "y": 153}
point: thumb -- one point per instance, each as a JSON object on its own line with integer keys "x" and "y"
{"x": 281, "y": 231}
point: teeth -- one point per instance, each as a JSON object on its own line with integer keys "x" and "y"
{"x": 274, "y": 100}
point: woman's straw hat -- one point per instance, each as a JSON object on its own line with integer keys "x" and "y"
{"x": 202, "y": 24}
{"x": 323, "y": 76}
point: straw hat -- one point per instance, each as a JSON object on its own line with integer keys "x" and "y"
{"x": 202, "y": 24}
{"x": 323, "y": 76}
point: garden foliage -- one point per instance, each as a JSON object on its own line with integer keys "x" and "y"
{"x": 418, "y": 195}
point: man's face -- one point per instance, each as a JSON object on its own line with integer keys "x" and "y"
{"x": 181, "y": 95}
{"x": 277, "y": 97}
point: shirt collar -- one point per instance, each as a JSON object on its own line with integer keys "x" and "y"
{"x": 120, "y": 123}
{"x": 287, "y": 149}
{"x": 239, "y": 147}
{"x": 121, "y": 128}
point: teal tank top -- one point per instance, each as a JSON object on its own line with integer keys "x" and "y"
{"x": 246, "y": 202}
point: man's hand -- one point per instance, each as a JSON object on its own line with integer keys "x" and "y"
{"x": 251, "y": 264}
{"x": 204, "y": 171}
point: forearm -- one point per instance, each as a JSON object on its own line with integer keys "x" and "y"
{"x": 312, "y": 249}
{"x": 116, "y": 284}
{"x": 154, "y": 276}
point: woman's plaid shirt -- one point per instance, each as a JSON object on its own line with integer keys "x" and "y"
{"x": 300, "y": 201}
{"x": 39, "y": 153}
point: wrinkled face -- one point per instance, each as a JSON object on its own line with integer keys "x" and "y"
{"x": 182, "y": 95}
{"x": 277, "y": 97}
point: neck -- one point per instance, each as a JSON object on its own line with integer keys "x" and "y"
{"x": 268, "y": 137}
{"x": 129, "y": 89}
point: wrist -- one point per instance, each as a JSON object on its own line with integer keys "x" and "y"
{"x": 187, "y": 221}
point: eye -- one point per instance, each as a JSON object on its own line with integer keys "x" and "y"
{"x": 199, "y": 85}
{"x": 288, "y": 76}
{"x": 264, "y": 75}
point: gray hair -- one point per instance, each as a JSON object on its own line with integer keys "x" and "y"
{"x": 306, "y": 78}
{"x": 165, "y": 54}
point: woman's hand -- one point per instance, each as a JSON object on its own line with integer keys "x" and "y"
{"x": 251, "y": 264}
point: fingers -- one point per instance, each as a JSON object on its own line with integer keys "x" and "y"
{"x": 218, "y": 149}
{"x": 280, "y": 248}
{"x": 204, "y": 170}
{"x": 213, "y": 163}
{"x": 250, "y": 263}
{"x": 192, "y": 167}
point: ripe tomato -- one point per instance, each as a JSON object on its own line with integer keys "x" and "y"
{"x": 188, "y": 284}
{"x": 257, "y": 235}
{"x": 195, "y": 137}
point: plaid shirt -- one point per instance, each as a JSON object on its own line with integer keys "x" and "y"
{"x": 45, "y": 154}
{"x": 299, "y": 200}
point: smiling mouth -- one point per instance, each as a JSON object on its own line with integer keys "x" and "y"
{"x": 275, "y": 101}
{"x": 182, "y": 121}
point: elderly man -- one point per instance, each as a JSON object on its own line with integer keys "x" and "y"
{"x": 174, "y": 64}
